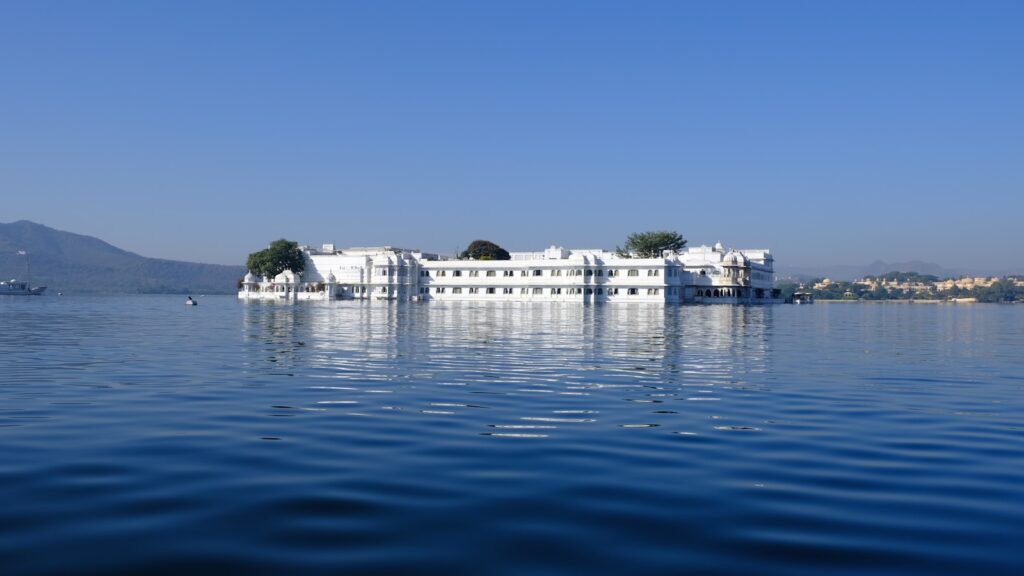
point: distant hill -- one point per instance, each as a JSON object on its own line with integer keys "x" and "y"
{"x": 74, "y": 263}
{"x": 879, "y": 267}
{"x": 848, "y": 273}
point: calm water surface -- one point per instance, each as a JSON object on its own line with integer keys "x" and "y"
{"x": 139, "y": 435}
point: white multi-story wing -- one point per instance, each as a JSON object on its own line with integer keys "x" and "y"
{"x": 699, "y": 274}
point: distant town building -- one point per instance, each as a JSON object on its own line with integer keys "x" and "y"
{"x": 822, "y": 284}
{"x": 966, "y": 283}
{"x": 918, "y": 286}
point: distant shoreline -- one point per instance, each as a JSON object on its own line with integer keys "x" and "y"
{"x": 900, "y": 301}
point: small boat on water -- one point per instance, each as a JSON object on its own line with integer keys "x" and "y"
{"x": 191, "y": 302}
{"x": 803, "y": 298}
{"x": 15, "y": 288}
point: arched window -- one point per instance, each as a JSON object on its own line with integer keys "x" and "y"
{"x": 716, "y": 292}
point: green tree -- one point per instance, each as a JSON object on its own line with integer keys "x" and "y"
{"x": 281, "y": 255}
{"x": 651, "y": 244}
{"x": 878, "y": 293}
{"x": 786, "y": 288}
{"x": 1003, "y": 290}
{"x": 485, "y": 250}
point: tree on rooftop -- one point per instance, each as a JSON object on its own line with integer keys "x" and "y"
{"x": 651, "y": 244}
{"x": 485, "y": 250}
{"x": 281, "y": 255}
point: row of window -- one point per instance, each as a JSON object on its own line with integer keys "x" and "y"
{"x": 362, "y": 290}
{"x": 550, "y": 291}
{"x": 671, "y": 272}
{"x": 731, "y": 273}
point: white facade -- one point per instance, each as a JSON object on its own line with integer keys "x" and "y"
{"x": 708, "y": 274}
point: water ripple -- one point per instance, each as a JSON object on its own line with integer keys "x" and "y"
{"x": 509, "y": 438}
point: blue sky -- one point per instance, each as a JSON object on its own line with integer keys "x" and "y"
{"x": 827, "y": 131}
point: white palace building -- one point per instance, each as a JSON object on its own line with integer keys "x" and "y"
{"x": 703, "y": 274}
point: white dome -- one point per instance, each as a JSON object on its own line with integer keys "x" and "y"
{"x": 286, "y": 277}
{"x": 718, "y": 247}
{"x": 736, "y": 258}
{"x": 250, "y": 278}
{"x": 330, "y": 278}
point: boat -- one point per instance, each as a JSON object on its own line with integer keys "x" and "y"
{"x": 191, "y": 302}
{"x": 803, "y": 298}
{"x": 15, "y": 288}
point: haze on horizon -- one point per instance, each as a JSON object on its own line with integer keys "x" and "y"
{"x": 828, "y": 132}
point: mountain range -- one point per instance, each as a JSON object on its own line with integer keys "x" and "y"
{"x": 73, "y": 263}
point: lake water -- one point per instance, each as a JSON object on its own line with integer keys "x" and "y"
{"x": 141, "y": 435}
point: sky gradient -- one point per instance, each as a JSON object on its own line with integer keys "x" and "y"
{"x": 829, "y": 132}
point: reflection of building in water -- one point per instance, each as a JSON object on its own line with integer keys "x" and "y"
{"x": 342, "y": 341}
{"x": 571, "y": 349}
{"x": 707, "y": 343}
{"x": 273, "y": 335}
{"x": 730, "y": 341}
{"x": 534, "y": 323}
{"x": 700, "y": 274}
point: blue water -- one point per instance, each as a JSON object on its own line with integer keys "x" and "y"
{"x": 140, "y": 435}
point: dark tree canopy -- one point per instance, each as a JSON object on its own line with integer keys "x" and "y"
{"x": 485, "y": 250}
{"x": 280, "y": 256}
{"x": 651, "y": 244}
